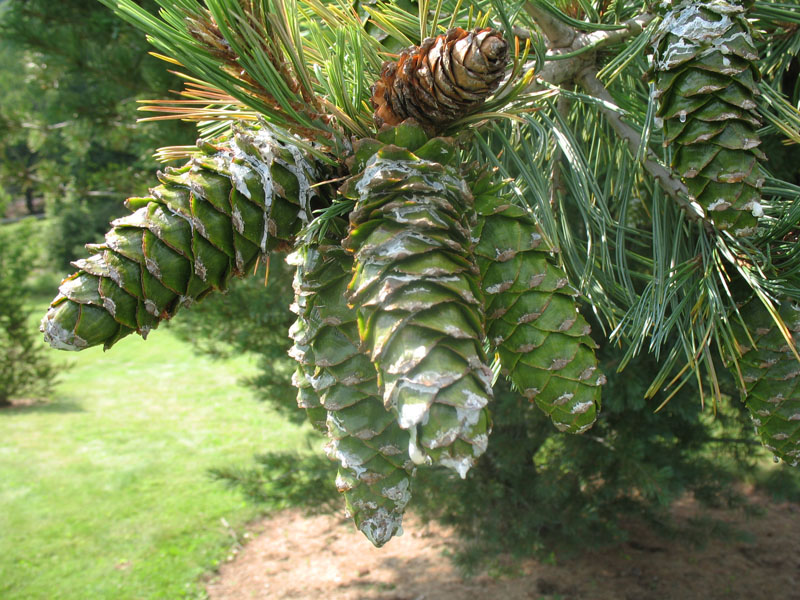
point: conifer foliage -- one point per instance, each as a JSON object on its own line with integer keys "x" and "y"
{"x": 462, "y": 189}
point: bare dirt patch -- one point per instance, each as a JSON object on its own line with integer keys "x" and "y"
{"x": 20, "y": 402}
{"x": 322, "y": 557}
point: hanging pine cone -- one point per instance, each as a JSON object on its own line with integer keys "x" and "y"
{"x": 531, "y": 316}
{"x": 771, "y": 374}
{"x": 706, "y": 84}
{"x": 415, "y": 286}
{"x": 207, "y": 221}
{"x": 442, "y": 80}
{"x": 375, "y": 471}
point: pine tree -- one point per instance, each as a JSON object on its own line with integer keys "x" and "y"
{"x": 26, "y": 372}
{"x": 457, "y": 186}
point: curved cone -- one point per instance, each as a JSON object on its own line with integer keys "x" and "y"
{"x": 207, "y": 221}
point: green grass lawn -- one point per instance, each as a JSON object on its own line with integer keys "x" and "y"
{"x": 104, "y": 492}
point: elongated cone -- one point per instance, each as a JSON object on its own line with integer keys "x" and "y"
{"x": 441, "y": 80}
{"x": 375, "y": 472}
{"x": 771, "y": 374}
{"x": 207, "y": 221}
{"x": 532, "y": 320}
{"x": 706, "y": 85}
{"x": 416, "y": 292}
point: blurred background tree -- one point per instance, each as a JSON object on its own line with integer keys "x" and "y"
{"x": 70, "y": 151}
{"x": 26, "y": 370}
{"x": 70, "y": 147}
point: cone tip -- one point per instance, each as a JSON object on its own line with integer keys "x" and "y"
{"x": 59, "y": 337}
{"x": 382, "y": 526}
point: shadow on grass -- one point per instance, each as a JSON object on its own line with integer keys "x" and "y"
{"x": 281, "y": 480}
{"x": 25, "y": 408}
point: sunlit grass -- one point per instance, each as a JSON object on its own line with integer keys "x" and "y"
{"x": 104, "y": 492}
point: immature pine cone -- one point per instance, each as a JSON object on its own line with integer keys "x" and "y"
{"x": 443, "y": 79}
{"x": 706, "y": 86}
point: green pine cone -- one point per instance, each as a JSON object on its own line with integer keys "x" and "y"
{"x": 375, "y": 472}
{"x": 532, "y": 320}
{"x": 207, "y": 221}
{"x": 706, "y": 84}
{"x": 416, "y": 292}
{"x": 771, "y": 374}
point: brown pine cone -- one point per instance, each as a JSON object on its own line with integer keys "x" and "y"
{"x": 443, "y": 79}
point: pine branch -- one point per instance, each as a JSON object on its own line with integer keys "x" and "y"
{"x": 558, "y": 34}
{"x": 571, "y": 51}
{"x": 254, "y": 55}
{"x": 669, "y": 183}
{"x": 601, "y": 39}
{"x": 578, "y": 48}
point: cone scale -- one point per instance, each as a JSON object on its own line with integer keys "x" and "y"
{"x": 337, "y": 381}
{"x": 208, "y": 221}
{"x": 417, "y": 295}
{"x": 706, "y": 88}
{"x": 532, "y": 320}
